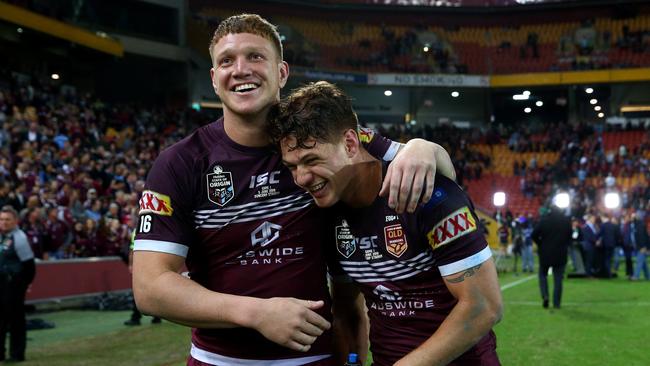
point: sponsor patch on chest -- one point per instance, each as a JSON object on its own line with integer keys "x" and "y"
{"x": 457, "y": 224}
{"x": 395, "y": 240}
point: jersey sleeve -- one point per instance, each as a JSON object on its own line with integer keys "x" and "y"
{"x": 377, "y": 145}
{"x": 23, "y": 250}
{"x": 165, "y": 222}
{"x": 451, "y": 228}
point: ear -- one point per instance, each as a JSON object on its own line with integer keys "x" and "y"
{"x": 351, "y": 141}
{"x": 214, "y": 82}
{"x": 284, "y": 73}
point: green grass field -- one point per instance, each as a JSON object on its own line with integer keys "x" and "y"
{"x": 602, "y": 322}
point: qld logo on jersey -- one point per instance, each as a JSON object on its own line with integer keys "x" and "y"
{"x": 156, "y": 203}
{"x": 220, "y": 186}
{"x": 395, "y": 240}
{"x": 345, "y": 242}
{"x": 458, "y": 224}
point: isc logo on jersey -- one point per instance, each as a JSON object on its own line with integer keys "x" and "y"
{"x": 156, "y": 203}
{"x": 458, "y": 224}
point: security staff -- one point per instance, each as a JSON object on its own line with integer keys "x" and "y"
{"x": 17, "y": 271}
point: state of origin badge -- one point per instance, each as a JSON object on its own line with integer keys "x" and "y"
{"x": 345, "y": 243}
{"x": 220, "y": 186}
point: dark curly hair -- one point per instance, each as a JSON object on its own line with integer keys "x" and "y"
{"x": 317, "y": 110}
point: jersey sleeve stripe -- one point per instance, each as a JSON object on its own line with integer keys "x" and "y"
{"x": 217, "y": 359}
{"x": 465, "y": 263}
{"x": 392, "y": 151}
{"x": 161, "y": 246}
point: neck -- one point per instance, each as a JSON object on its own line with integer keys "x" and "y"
{"x": 365, "y": 182}
{"x": 246, "y": 130}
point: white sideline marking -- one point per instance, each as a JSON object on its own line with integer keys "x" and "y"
{"x": 518, "y": 282}
{"x": 582, "y": 304}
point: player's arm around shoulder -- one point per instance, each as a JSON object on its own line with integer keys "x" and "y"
{"x": 410, "y": 176}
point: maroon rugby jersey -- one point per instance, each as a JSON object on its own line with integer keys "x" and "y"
{"x": 245, "y": 228}
{"x": 398, "y": 262}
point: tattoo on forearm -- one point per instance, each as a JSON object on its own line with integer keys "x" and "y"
{"x": 468, "y": 273}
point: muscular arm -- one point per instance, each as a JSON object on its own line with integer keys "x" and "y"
{"x": 350, "y": 322}
{"x": 160, "y": 290}
{"x": 479, "y": 308}
{"x": 411, "y": 174}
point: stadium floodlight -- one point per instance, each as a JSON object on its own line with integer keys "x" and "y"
{"x": 612, "y": 200}
{"x": 388, "y": 93}
{"x": 526, "y": 93}
{"x": 55, "y": 76}
{"x": 601, "y": 115}
{"x": 455, "y": 94}
{"x": 499, "y": 199}
{"x": 589, "y": 90}
{"x": 597, "y": 108}
{"x": 520, "y": 97}
{"x": 562, "y": 200}
{"x": 594, "y": 101}
{"x": 539, "y": 103}
{"x": 527, "y": 110}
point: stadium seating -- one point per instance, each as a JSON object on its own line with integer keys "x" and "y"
{"x": 341, "y": 45}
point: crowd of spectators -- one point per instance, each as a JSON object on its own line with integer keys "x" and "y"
{"x": 469, "y": 163}
{"x": 74, "y": 166}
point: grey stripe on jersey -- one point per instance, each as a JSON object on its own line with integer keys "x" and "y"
{"x": 215, "y": 219}
{"x": 466, "y": 263}
{"x": 389, "y": 270}
{"x": 160, "y": 246}
{"x": 217, "y": 359}
{"x": 392, "y": 151}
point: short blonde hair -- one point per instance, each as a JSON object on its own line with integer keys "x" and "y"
{"x": 248, "y": 23}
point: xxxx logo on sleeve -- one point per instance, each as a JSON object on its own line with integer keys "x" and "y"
{"x": 157, "y": 203}
{"x": 366, "y": 135}
{"x": 459, "y": 223}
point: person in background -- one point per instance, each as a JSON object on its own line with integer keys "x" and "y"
{"x": 590, "y": 235}
{"x": 611, "y": 237}
{"x": 553, "y": 237}
{"x": 527, "y": 257}
{"x": 637, "y": 237}
{"x": 136, "y": 315}
{"x": 17, "y": 270}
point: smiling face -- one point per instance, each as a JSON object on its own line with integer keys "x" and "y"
{"x": 325, "y": 170}
{"x": 247, "y": 74}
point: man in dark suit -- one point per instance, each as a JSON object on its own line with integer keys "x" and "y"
{"x": 590, "y": 236}
{"x": 611, "y": 237}
{"x": 636, "y": 236}
{"x": 553, "y": 237}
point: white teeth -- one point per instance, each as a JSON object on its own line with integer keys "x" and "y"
{"x": 245, "y": 86}
{"x": 317, "y": 187}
